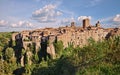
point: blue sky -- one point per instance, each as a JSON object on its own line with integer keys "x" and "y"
{"x": 17, "y": 15}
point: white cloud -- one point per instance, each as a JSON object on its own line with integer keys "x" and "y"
{"x": 80, "y": 18}
{"x": 46, "y": 14}
{"x": 13, "y": 25}
{"x": 112, "y": 21}
{"x": 22, "y": 24}
{"x": 117, "y": 18}
{"x": 108, "y": 19}
{"x": 67, "y": 21}
{"x": 58, "y": 13}
{"x": 3, "y": 23}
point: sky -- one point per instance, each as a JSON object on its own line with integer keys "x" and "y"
{"x": 18, "y": 15}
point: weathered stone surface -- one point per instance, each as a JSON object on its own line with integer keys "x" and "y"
{"x": 22, "y": 61}
{"x": 51, "y": 50}
{"x": 29, "y": 56}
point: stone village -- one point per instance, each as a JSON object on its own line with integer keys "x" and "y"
{"x": 78, "y": 36}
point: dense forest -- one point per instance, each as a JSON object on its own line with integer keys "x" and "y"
{"x": 96, "y": 58}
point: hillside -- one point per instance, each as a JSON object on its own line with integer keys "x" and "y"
{"x": 96, "y": 58}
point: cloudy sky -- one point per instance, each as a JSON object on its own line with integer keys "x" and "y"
{"x": 17, "y": 15}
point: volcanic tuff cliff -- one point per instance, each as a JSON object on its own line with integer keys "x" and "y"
{"x": 78, "y": 36}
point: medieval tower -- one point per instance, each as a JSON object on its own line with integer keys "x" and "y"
{"x": 86, "y": 23}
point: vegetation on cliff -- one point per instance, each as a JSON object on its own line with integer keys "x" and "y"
{"x": 97, "y": 58}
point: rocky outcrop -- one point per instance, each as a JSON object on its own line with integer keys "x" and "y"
{"x": 22, "y": 61}
{"x": 50, "y": 46}
{"x": 29, "y": 57}
{"x": 51, "y": 51}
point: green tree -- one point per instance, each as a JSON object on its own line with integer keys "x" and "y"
{"x": 9, "y": 53}
{"x": 13, "y": 43}
{"x": 23, "y": 52}
{"x": 58, "y": 47}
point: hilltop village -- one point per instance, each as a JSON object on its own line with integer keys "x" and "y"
{"x": 77, "y": 36}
